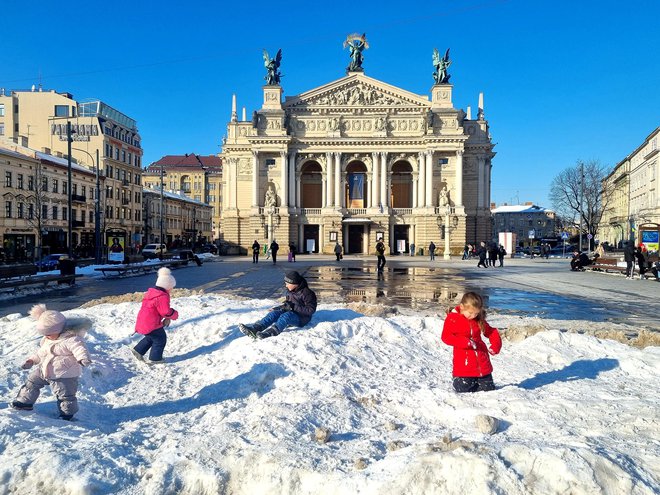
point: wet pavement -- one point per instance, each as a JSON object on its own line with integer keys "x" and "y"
{"x": 543, "y": 288}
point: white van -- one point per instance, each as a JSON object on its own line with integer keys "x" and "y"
{"x": 153, "y": 251}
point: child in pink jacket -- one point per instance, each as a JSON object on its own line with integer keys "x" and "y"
{"x": 155, "y": 314}
{"x": 59, "y": 361}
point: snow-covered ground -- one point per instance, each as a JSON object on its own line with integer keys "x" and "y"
{"x": 228, "y": 415}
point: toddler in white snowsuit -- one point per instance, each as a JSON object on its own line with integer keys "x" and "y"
{"x": 59, "y": 361}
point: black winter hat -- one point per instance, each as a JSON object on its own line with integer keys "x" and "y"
{"x": 293, "y": 277}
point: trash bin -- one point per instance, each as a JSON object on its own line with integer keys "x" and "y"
{"x": 67, "y": 267}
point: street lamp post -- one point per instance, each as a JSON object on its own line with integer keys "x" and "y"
{"x": 69, "y": 187}
{"x": 161, "y": 212}
{"x": 97, "y": 206}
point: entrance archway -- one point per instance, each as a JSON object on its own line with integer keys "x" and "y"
{"x": 356, "y": 191}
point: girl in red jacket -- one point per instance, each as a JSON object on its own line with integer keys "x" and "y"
{"x": 463, "y": 328}
{"x": 155, "y": 314}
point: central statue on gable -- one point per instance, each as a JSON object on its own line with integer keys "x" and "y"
{"x": 356, "y": 44}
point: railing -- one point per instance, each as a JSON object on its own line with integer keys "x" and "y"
{"x": 310, "y": 211}
{"x": 267, "y": 210}
{"x": 402, "y": 211}
{"x": 356, "y": 211}
{"x": 79, "y": 198}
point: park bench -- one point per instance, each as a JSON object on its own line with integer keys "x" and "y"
{"x": 21, "y": 271}
{"x": 37, "y": 280}
{"x": 606, "y": 265}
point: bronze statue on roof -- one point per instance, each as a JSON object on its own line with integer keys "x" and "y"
{"x": 273, "y": 67}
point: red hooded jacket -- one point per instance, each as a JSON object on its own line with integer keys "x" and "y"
{"x": 460, "y": 332}
{"x": 155, "y": 307}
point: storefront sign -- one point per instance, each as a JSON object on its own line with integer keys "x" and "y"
{"x": 79, "y": 132}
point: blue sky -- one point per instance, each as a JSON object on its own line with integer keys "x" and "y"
{"x": 562, "y": 80}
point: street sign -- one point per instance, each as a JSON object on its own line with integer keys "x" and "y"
{"x": 531, "y": 234}
{"x": 589, "y": 236}
{"x": 564, "y": 235}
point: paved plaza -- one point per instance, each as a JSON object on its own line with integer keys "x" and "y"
{"x": 545, "y": 288}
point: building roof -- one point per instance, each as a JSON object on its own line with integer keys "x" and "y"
{"x": 22, "y": 152}
{"x": 519, "y": 209}
{"x": 188, "y": 160}
{"x": 173, "y": 195}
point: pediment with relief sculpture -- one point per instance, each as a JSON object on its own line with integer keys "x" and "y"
{"x": 354, "y": 91}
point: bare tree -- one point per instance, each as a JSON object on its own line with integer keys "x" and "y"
{"x": 578, "y": 197}
{"x": 37, "y": 198}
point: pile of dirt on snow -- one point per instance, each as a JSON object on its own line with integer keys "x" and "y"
{"x": 135, "y": 297}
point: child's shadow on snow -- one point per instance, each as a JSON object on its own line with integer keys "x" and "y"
{"x": 260, "y": 380}
{"x": 207, "y": 349}
{"x": 578, "y": 370}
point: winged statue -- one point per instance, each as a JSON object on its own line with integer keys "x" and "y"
{"x": 441, "y": 74}
{"x": 273, "y": 67}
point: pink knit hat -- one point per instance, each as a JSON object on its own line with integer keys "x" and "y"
{"x": 49, "y": 322}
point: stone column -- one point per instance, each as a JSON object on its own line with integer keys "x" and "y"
{"x": 298, "y": 188}
{"x": 415, "y": 186}
{"x": 429, "y": 178}
{"x": 233, "y": 176}
{"x": 284, "y": 181}
{"x": 291, "y": 176}
{"x": 375, "y": 176}
{"x": 255, "y": 178}
{"x": 458, "y": 197}
{"x": 421, "y": 195}
{"x": 338, "y": 195}
{"x": 480, "y": 182}
{"x": 384, "y": 196}
{"x": 327, "y": 200}
{"x": 487, "y": 167}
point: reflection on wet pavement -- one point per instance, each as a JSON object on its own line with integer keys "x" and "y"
{"x": 434, "y": 290}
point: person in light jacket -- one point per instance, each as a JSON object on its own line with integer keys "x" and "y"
{"x": 58, "y": 362}
{"x": 154, "y": 316}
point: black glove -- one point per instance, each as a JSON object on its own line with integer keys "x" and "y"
{"x": 286, "y": 306}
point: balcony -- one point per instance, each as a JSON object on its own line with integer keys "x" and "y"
{"x": 78, "y": 198}
{"x": 310, "y": 211}
{"x": 356, "y": 211}
{"x": 402, "y": 211}
{"x": 125, "y": 201}
{"x": 125, "y": 183}
{"x": 78, "y": 223}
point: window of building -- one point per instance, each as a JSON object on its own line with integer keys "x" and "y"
{"x": 116, "y": 153}
{"x": 44, "y": 183}
{"x": 20, "y": 181}
{"x": 108, "y": 212}
{"x": 65, "y": 187}
{"x": 123, "y": 156}
{"x": 55, "y": 185}
{"x": 108, "y": 192}
{"x": 74, "y": 189}
{"x": 2, "y": 109}
{"x": 55, "y": 212}
{"x": 21, "y": 210}
{"x": 83, "y": 190}
{"x": 7, "y": 209}
{"x": 65, "y": 213}
{"x": 30, "y": 211}
{"x": 2, "y": 129}
{"x": 44, "y": 212}
{"x": 15, "y": 127}
{"x": 8, "y": 179}
{"x": 91, "y": 217}
{"x": 61, "y": 110}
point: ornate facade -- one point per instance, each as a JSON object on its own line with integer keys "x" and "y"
{"x": 354, "y": 160}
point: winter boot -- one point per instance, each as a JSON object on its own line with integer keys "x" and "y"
{"x": 137, "y": 355}
{"x": 250, "y": 330}
{"x": 22, "y": 406}
{"x": 271, "y": 331}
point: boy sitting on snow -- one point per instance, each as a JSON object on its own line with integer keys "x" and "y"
{"x": 296, "y": 311}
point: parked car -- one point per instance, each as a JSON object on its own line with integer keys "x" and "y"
{"x": 49, "y": 262}
{"x": 209, "y": 248}
{"x": 187, "y": 254}
{"x": 151, "y": 251}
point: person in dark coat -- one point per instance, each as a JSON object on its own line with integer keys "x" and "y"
{"x": 629, "y": 258}
{"x": 338, "y": 251}
{"x": 274, "y": 247}
{"x": 255, "y": 251}
{"x": 579, "y": 261}
{"x": 292, "y": 250}
{"x": 432, "y": 250}
{"x": 501, "y": 253}
{"x": 380, "y": 252}
{"x": 492, "y": 254}
{"x": 482, "y": 255}
{"x": 296, "y": 311}
{"x": 641, "y": 261}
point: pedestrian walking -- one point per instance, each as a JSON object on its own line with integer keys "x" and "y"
{"x": 380, "y": 253}
{"x": 629, "y": 258}
{"x": 641, "y": 255}
{"x": 274, "y": 248}
{"x": 154, "y": 316}
{"x": 432, "y": 250}
{"x": 466, "y": 252}
{"x": 338, "y": 251}
{"x": 296, "y": 311}
{"x": 412, "y": 249}
{"x": 59, "y": 361}
{"x": 292, "y": 252}
{"x": 492, "y": 254}
{"x": 501, "y": 253}
{"x": 255, "y": 251}
{"x": 463, "y": 330}
{"x": 482, "y": 252}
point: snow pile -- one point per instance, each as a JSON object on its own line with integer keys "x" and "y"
{"x": 349, "y": 404}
